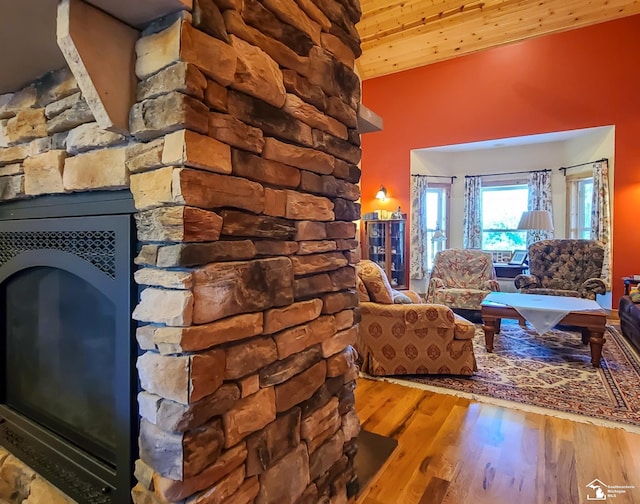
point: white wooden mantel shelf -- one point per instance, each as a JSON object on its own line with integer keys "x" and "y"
{"x": 28, "y": 27}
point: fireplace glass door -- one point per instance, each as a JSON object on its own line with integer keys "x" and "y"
{"x": 60, "y": 356}
{"x": 67, "y": 345}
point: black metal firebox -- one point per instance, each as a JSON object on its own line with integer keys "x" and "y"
{"x": 67, "y": 350}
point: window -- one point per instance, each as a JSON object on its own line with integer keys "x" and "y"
{"x": 580, "y": 200}
{"x": 502, "y": 207}
{"x": 437, "y": 230}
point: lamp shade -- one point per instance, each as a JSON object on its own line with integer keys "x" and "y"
{"x": 438, "y": 235}
{"x": 536, "y": 219}
{"x": 381, "y": 194}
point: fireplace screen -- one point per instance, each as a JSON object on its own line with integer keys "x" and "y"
{"x": 60, "y": 356}
{"x": 67, "y": 350}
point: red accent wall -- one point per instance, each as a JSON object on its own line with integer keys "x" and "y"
{"x": 577, "y": 79}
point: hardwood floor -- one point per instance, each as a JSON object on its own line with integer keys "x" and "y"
{"x": 453, "y": 450}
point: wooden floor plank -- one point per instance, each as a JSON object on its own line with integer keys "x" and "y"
{"x": 457, "y": 451}
{"x": 435, "y": 491}
{"x": 372, "y": 399}
{"x": 389, "y": 419}
{"x": 420, "y": 429}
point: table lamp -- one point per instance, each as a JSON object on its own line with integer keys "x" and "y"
{"x": 536, "y": 220}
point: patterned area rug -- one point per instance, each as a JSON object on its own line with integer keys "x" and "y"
{"x": 553, "y": 372}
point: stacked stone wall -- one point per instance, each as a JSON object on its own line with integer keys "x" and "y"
{"x": 51, "y": 144}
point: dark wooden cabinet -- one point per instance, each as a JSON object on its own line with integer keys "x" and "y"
{"x": 384, "y": 243}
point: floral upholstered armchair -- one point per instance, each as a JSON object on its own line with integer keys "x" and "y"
{"x": 461, "y": 278}
{"x": 564, "y": 268}
{"x": 399, "y": 334}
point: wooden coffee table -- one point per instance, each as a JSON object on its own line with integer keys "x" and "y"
{"x": 591, "y": 322}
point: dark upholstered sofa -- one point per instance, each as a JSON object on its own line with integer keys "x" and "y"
{"x": 629, "y": 313}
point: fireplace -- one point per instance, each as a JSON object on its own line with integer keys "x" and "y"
{"x": 68, "y": 382}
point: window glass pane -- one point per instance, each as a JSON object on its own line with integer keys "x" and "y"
{"x": 504, "y": 240}
{"x": 436, "y": 218}
{"x": 502, "y": 207}
{"x": 585, "y": 195}
{"x": 433, "y": 199}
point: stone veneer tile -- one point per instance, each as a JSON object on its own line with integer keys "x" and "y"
{"x": 285, "y": 481}
{"x": 225, "y": 289}
{"x": 249, "y": 415}
{"x": 12, "y": 169}
{"x": 90, "y": 136}
{"x": 43, "y": 173}
{"x": 11, "y": 187}
{"x": 187, "y": 148}
{"x": 257, "y": 74}
{"x": 26, "y": 125}
{"x": 99, "y": 169}
{"x": 163, "y": 306}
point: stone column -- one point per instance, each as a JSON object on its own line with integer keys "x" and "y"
{"x": 245, "y": 178}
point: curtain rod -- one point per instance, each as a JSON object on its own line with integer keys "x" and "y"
{"x": 506, "y": 173}
{"x": 452, "y": 177}
{"x": 565, "y": 168}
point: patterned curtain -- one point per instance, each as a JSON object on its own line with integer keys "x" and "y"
{"x": 601, "y": 216}
{"x": 418, "y": 252}
{"x": 539, "y": 199}
{"x": 472, "y": 237}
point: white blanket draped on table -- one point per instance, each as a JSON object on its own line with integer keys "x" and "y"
{"x": 542, "y": 312}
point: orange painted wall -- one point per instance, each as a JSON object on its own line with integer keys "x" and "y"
{"x": 577, "y": 79}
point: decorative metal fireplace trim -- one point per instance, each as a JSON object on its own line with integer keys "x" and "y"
{"x": 101, "y": 244}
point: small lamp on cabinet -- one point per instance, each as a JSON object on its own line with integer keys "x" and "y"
{"x": 382, "y": 193}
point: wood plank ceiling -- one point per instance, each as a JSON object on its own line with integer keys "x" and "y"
{"x": 402, "y": 34}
